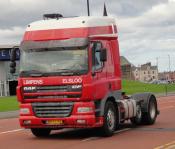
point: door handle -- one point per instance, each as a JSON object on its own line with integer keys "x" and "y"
{"x": 110, "y": 86}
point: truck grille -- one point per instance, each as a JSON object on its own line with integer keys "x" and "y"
{"x": 60, "y": 88}
{"x": 63, "y": 88}
{"x": 52, "y": 92}
{"x": 52, "y": 96}
{"x": 52, "y": 109}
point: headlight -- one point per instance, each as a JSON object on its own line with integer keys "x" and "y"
{"x": 24, "y": 111}
{"x": 84, "y": 109}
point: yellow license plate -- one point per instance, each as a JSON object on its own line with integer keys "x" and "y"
{"x": 54, "y": 122}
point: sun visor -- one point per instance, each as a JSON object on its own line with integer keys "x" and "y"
{"x": 74, "y": 42}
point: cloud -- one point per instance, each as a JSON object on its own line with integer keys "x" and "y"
{"x": 22, "y": 12}
{"x": 129, "y": 8}
{"x": 11, "y": 36}
{"x": 149, "y": 36}
{"x": 146, "y": 27}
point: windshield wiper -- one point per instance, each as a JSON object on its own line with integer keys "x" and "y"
{"x": 63, "y": 70}
{"x": 68, "y": 72}
{"x": 33, "y": 73}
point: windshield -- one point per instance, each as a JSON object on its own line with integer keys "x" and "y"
{"x": 54, "y": 61}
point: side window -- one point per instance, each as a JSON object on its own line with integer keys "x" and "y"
{"x": 96, "y": 63}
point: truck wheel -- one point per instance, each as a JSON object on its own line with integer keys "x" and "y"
{"x": 110, "y": 114}
{"x": 150, "y": 117}
{"x": 40, "y": 132}
{"x": 138, "y": 118}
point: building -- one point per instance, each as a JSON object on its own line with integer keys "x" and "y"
{"x": 145, "y": 72}
{"x": 8, "y": 82}
{"x": 169, "y": 76}
{"x": 126, "y": 68}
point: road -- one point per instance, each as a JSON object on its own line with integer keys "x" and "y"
{"x": 158, "y": 136}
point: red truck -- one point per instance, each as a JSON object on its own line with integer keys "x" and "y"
{"x": 70, "y": 77}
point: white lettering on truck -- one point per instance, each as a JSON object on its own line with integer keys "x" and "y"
{"x": 75, "y": 80}
{"x": 34, "y": 82}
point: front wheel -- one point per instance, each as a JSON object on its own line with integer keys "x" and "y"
{"x": 150, "y": 117}
{"x": 110, "y": 117}
{"x": 40, "y": 132}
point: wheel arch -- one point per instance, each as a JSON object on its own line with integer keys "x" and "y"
{"x": 144, "y": 99}
{"x": 110, "y": 97}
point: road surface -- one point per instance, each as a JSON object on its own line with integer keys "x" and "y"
{"x": 161, "y": 135}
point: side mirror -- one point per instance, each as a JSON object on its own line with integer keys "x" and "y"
{"x": 12, "y": 59}
{"x": 12, "y": 70}
{"x": 12, "y": 64}
{"x": 13, "y": 55}
{"x": 103, "y": 55}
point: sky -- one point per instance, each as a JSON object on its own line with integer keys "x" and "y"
{"x": 146, "y": 27}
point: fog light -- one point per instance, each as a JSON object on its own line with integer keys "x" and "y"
{"x": 84, "y": 109}
{"x": 27, "y": 122}
{"x": 24, "y": 111}
{"x": 81, "y": 121}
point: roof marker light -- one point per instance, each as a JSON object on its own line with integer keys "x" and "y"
{"x": 52, "y": 16}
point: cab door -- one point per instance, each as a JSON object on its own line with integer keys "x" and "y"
{"x": 99, "y": 75}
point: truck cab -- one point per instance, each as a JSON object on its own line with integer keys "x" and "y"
{"x": 70, "y": 77}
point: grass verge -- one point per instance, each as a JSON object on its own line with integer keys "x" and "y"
{"x": 8, "y": 104}
{"x": 131, "y": 87}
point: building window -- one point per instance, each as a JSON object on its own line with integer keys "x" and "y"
{"x": 153, "y": 72}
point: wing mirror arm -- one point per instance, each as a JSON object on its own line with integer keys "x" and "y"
{"x": 103, "y": 55}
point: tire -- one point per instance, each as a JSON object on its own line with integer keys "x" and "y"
{"x": 40, "y": 132}
{"x": 110, "y": 117}
{"x": 138, "y": 118}
{"x": 150, "y": 117}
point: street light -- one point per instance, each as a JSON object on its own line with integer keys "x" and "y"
{"x": 169, "y": 63}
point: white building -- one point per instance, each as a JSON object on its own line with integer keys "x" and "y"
{"x": 145, "y": 72}
{"x": 8, "y": 82}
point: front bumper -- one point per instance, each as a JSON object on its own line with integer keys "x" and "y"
{"x": 89, "y": 119}
{"x": 70, "y": 122}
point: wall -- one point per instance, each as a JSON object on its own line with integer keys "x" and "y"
{"x": 2, "y": 71}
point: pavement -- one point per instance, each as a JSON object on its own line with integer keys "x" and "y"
{"x": 161, "y": 135}
{"x": 9, "y": 114}
{"x": 164, "y": 94}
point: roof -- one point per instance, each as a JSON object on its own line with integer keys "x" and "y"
{"x": 66, "y": 28}
{"x": 148, "y": 65}
{"x": 154, "y": 67}
{"x": 124, "y": 61}
{"x": 75, "y": 22}
{"x": 7, "y": 46}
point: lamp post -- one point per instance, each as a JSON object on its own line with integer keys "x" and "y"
{"x": 169, "y": 63}
{"x": 157, "y": 63}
